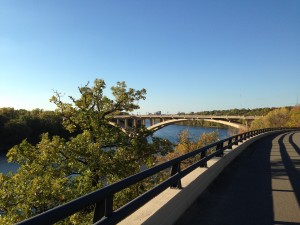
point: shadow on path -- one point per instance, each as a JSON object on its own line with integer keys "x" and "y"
{"x": 292, "y": 142}
{"x": 242, "y": 194}
{"x": 291, "y": 165}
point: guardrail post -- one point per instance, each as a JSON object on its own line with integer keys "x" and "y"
{"x": 229, "y": 145}
{"x": 203, "y": 155}
{"x": 236, "y": 142}
{"x": 176, "y": 169}
{"x": 220, "y": 147}
{"x": 248, "y": 135}
{"x": 103, "y": 208}
{"x": 240, "y": 138}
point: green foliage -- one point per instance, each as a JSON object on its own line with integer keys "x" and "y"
{"x": 57, "y": 170}
{"x": 16, "y": 125}
{"x": 238, "y": 112}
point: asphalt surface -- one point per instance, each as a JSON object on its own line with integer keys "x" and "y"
{"x": 262, "y": 186}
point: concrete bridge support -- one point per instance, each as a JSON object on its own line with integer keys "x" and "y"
{"x": 135, "y": 122}
{"x": 152, "y": 121}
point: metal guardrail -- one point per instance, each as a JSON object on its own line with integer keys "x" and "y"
{"x": 103, "y": 198}
{"x": 195, "y": 116}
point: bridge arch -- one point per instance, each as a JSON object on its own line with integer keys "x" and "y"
{"x": 163, "y": 124}
{"x": 116, "y": 125}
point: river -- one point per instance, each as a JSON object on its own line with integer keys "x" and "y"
{"x": 6, "y": 167}
{"x": 170, "y": 132}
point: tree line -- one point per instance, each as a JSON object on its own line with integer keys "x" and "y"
{"x": 239, "y": 112}
{"x": 17, "y": 125}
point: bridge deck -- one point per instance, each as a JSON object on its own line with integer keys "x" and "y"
{"x": 262, "y": 186}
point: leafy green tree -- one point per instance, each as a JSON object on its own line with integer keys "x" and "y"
{"x": 57, "y": 170}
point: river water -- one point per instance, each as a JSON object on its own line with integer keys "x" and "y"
{"x": 6, "y": 167}
{"x": 173, "y": 131}
{"x": 170, "y": 132}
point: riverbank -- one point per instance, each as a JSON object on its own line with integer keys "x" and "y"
{"x": 201, "y": 123}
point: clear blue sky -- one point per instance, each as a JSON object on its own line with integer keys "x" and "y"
{"x": 189, "y": 55}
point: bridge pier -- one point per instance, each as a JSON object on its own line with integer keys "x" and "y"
{"x": 135, "y": 122}
{"x": 152, "y": 121}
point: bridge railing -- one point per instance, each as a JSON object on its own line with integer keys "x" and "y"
{"x": 102, "y": 199}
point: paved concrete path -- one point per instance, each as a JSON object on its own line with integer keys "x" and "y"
{"x": 261, "y": 187}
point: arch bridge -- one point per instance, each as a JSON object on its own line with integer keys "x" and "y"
{"x": 160, "y": 121}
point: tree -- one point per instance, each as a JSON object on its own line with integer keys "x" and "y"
{"x": 17, "y": 125}
{"x": 58, "y": 170}
{"x": 294, "y": 120}
{"x": 275, "y": 118}
{"x": 186, "y": 145}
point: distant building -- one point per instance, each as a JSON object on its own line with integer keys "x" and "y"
{"x": 157, "y": 113}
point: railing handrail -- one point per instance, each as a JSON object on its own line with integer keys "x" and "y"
{"x": 103, "y": 197}
{"x": 187, "y": 116}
